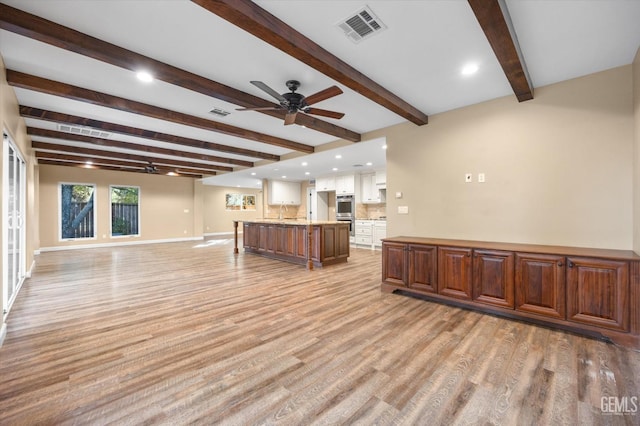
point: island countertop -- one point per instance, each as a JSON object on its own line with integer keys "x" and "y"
{"x": 291, "y": 221}
{"x": 309, "y": 242}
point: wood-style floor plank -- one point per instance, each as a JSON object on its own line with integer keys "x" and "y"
{"x": 188, "y": 333}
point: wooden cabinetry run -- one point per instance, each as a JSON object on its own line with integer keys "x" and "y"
{"x": 590, "y": 291}
{"x": 290, "y": 241}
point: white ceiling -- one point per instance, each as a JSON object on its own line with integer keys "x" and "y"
{"x": 418, "y": 58}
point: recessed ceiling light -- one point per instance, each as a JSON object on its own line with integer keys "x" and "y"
{"x": 307, "y": 173}
{"x": 469, "y": 69}
{"x": 284, "y": 176}
{"x": 304, "y": 163}
{"x": 335, "y": 169}
{"x": 144, "y": 76}
{"x": 369, "y": 163}
{"x": 384, "y": 146}
{"x": 338, "y": 156}
{"x": 172, "y": 174}
{"x": 253, "y": 173}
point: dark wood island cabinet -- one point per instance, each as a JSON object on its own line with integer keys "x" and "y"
{"x": 310, "y": 243}
{"x": 589, "y": 291}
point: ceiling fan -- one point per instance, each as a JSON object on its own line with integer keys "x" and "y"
{"x": 294, "y": 102}
{"x": 150, "y": 168}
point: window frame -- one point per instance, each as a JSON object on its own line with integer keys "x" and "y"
{"x": 139, "y": 227}
{"x": 95, "y": 211}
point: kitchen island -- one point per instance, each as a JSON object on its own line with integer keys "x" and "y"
{"x": 306, "y": 242}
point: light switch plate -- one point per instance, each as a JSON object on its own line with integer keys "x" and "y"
{"x": 468, "y": 178}
{"x": 398, "y": 194}
{"x": 403, "y": 209}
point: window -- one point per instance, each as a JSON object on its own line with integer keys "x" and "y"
{"x": 240, "y": 201}
{"x": 77, "y": 211}
{"x": 125, "y": 210}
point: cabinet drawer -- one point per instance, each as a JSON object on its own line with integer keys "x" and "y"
{"x": 363, "y": 230}
{"x": 363, "y": 239}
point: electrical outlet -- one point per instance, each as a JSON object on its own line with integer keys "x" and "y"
{"x": 468, "y": 178}
{"x": 403, "y": 209}
{"x": 481, "y": 177}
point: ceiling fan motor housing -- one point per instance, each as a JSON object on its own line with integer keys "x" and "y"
{"x": 294, "y": 101}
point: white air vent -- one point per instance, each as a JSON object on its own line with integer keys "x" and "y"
{"x": 361, "y": 24}
{"x": 85, "y": 131}
{"x": 220, "y": 112}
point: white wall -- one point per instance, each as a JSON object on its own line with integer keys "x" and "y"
{"x": 559, "y": 168}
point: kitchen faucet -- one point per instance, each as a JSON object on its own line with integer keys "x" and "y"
{"x": 285, "y": 209}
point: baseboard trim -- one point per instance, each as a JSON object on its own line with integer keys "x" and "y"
{"x": 124, "y": 243}
{"x": 220, "y": 234}
{"x": 28, "y": 273}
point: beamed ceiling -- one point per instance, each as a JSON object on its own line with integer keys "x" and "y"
{"x": 73, "y": 65}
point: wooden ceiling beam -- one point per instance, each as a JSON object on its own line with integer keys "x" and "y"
{"x": 98, "y": 155}
{"x": 57, "y": 117}
{"x": 99, "y": 161}
{"x": 33, "y": 131}
{"x": 115, "y": 168}
{"x": 250, "y": 17}
{"x": 496, "y": 24}
{"x": 68, "y": 91}
{"x": 37, "y": 28}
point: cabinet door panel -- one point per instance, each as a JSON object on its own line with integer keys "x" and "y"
{"x": 493, "y": 276}
{"x": 598, "y": 292}
{"x": 342, "y": 242}
{"x": 329, "y": 244}
{"x": 540, "y": 284}
{"x": 394, "y": 263}
{"x": 454, "y": 272}
{"x": 301, "y": 241}
{"x": 423, "y": 268}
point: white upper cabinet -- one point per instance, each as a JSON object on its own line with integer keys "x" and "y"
{"x": 381, "y": 179}
{"x": 327, "y": 183}
{"x": 282, "y": 192}
{"x": 345, "y": 185}
{"x": 370, "y": 191}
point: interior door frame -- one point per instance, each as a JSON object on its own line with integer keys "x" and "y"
{"x": 7, "y": 143}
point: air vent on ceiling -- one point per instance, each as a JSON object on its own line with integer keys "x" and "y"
{"x": 220, "y": 112}
{"x": 85, "y": 131}
{"x": 361, "y": 24}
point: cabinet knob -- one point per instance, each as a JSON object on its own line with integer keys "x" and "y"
{"x": 560, "y": 264}
{"x": 570, "y": 264}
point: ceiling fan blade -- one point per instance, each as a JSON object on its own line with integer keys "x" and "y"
{"x": 327, "y": 93}
{"x": 258, "y": 108}
{"x": 324, "y": 113}
{"x": 290, "y": 118}
{"x": 260, "y": 85}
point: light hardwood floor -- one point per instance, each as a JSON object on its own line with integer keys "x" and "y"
{"x": 188, "y": 333}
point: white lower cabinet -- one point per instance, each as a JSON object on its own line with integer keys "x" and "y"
{"x": 370, "y": 232}
{"x": 379, "y": 232}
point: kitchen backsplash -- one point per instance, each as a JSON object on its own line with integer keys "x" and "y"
{"x": 371, "y": 211}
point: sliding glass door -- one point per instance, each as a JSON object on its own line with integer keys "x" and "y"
{"x": 13, "y": 221}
